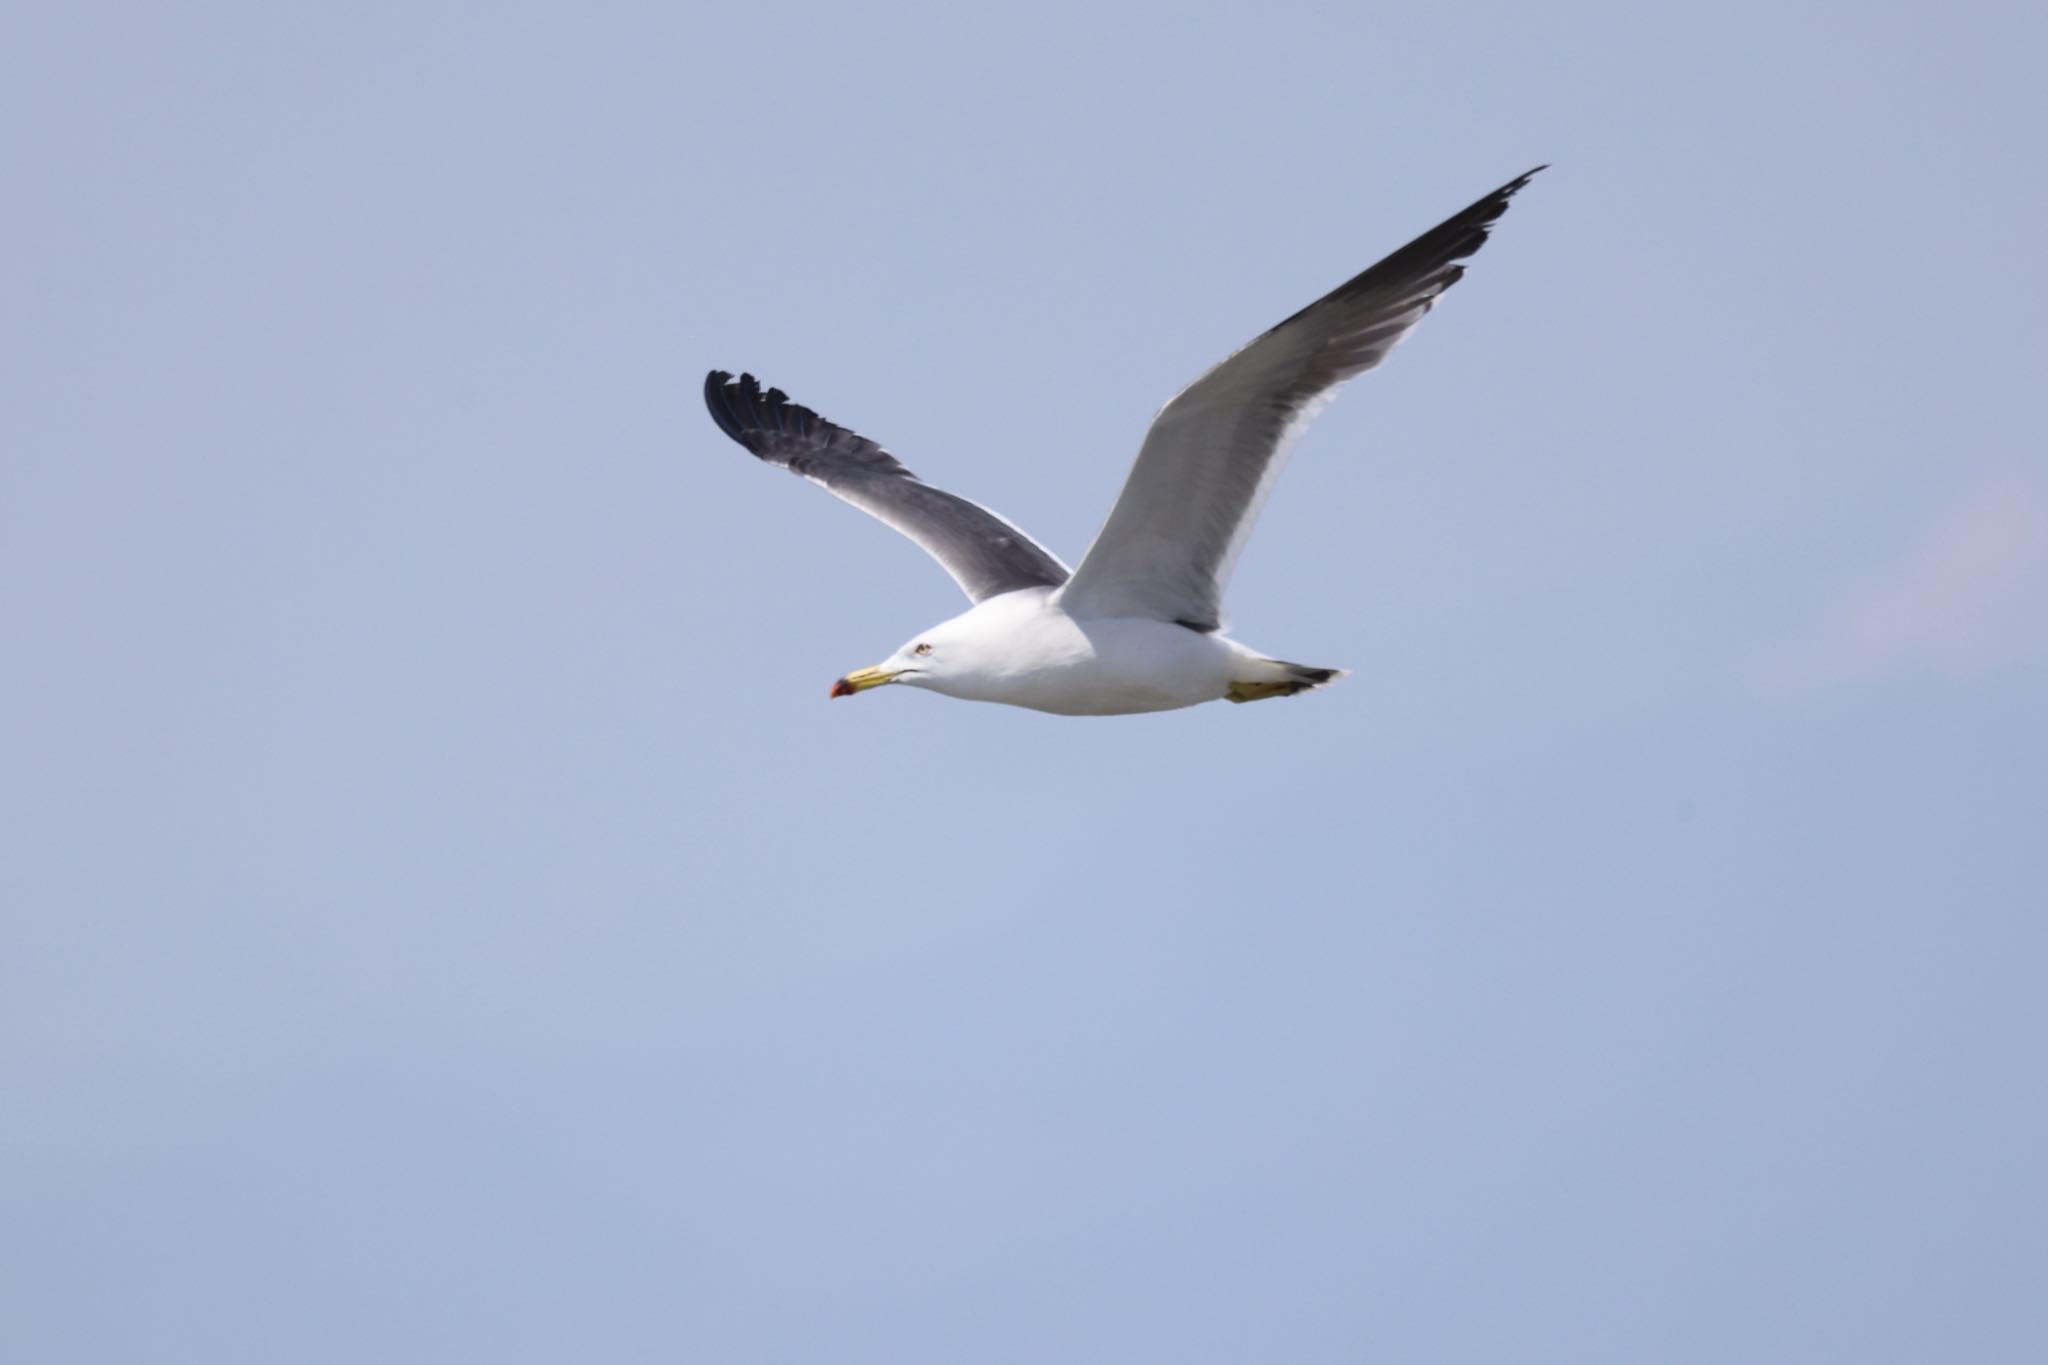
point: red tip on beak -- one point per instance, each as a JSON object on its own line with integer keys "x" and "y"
{"x": 843, "y": 688}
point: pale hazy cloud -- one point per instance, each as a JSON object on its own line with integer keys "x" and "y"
{"x": 1971, "y": 596}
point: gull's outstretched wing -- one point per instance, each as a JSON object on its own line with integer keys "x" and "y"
{"x": 1173, "y": 537}
{"x": 985, "y": 554}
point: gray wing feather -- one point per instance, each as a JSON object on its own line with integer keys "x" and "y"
{"x": 985, "y": 554}
{"x": 1212, "y": 453}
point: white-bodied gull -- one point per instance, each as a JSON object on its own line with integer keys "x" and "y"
{"x": 1139, "y": 625}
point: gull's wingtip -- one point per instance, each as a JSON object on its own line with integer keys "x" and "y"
{"x": 719, "y": 380}
{"x": 730, "y": 401}
{"x": 1509, "y": 190}
{"x": 1513, "y": 187}
{"x": 1466, "y": 232}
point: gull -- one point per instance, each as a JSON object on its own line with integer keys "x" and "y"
{"x": 1138, "y": 626}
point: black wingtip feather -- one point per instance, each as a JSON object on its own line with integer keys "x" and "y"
{"x": 1464, "y": 233}
{"x": 1434, "y": 254}
{"x": 718, "y": 392}
{"x": 742, "y": 408}
{"x": 771, "y": 427}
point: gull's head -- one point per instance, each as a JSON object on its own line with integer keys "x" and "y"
{"x": 923, "y": 662}
{"x": 964, "y": 657}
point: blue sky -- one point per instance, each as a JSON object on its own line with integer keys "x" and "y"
{"x": 443, "y": 917}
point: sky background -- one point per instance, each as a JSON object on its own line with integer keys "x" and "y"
{"x": 443, "y": 919}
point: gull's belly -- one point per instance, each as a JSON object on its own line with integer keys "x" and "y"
{"x": 1120, "y": 667}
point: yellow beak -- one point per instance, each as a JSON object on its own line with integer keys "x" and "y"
{"x": 860, "y": 680}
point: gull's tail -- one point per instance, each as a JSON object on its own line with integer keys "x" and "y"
{"x": 1278, "y": 678}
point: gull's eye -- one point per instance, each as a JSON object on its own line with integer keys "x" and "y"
{"x": 922, "y": 649}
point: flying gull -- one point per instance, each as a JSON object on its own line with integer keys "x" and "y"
{"x": 1139, "y": 625}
